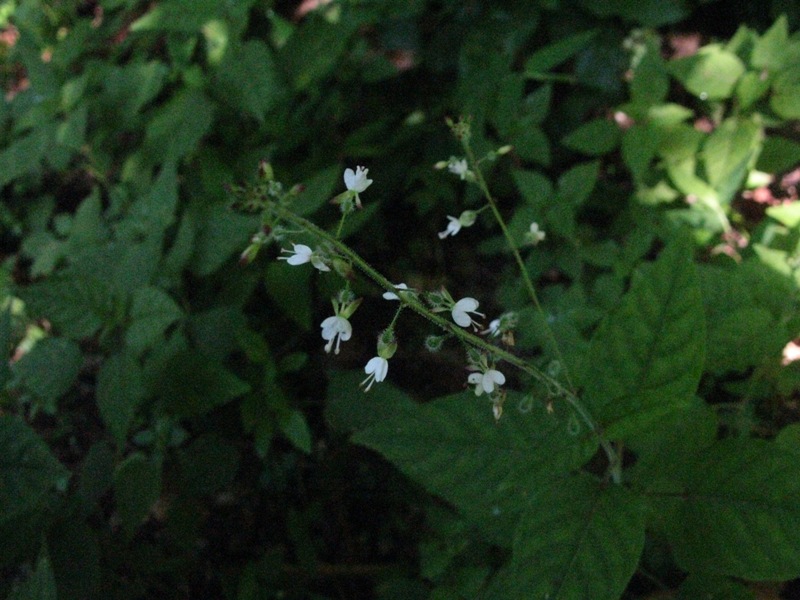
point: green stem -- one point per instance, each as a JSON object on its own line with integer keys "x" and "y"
{"x": 526, "y": 278}
{"x": 464, "y": 335}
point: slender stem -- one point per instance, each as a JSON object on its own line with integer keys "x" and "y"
{"x": 526, "y": 278}
{"x": 463, "y": 335}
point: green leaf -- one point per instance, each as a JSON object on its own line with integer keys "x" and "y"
{"x": 770, "y": 50}
{"x": 713, "y": 587}
{"x": 250, "y": 79}
{"x": 295, "y": 428}
{"x": 455, "y": 448}
{"x": 77, "y": 306}
{"x": 28, "y": 471}
{"x": 554, "y": 54}
{"x": 49, "y": 370}
{"x": 152, "y": 311}
{"x": 778, "y": 154}
{"x": 732, "y": 497}
{"x": 535, "y": 188}
{"x": 120, "y": 391}
{"x": 289, "y": 287}
{"x": 314, "y": 49}
{"x": 193, "y": 384}
{"x": 647, "y": 356}
{"x": 650, "y": 83}
{"x": 137, "y": 486}
{"x": 578, "y": 538}
{"x": 40, "y": 585}
{"x": 221, "y": 233}
{"x": 24, "y": 154}
{"x": 594, "y": 138}
{"x": 711, "y": 74}
{"x": 187, "y": 16}
{"x": 785, "y": 100}
{"x": 177, "y": 127}
{"x": 728, "y": 153}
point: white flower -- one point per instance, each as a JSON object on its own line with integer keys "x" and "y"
{"x": 336, "y": 329}
{"x": 535, "y": 235}
{"x": 458, "y": 167}
{"x": 392, "y": 295}
{"x": 493, "y": 329}
{"x": 466, "y": 219}
{"x": 453, "y": 227}
{"x": 461, "y": 310}
{"x": 486, "y": 381}
{"x": 376, "y": 370}
{"x": 301, "y": 254}
{"x": 357, "y": 181}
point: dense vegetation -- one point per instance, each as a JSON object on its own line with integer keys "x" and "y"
{"x": 171, "y": 424}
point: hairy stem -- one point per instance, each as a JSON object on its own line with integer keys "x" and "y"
{"x": 413, "y": 303}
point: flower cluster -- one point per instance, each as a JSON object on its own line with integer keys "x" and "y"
{"x": 335, "y": 329}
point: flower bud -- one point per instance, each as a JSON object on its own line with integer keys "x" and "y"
{"x": 387, "y": 344}
{"x": 433, "y": 343}
{"x": 265, "y": 172}
{"x": 467, "y": 218}
{"x": 344, "y": 269}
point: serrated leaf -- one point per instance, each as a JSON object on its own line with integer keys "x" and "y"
{"x": 594, "y": 138}
{"x": 49, "y": 370}
{"x": 578, "y": 538}
{"x": 77, "y": 306}
{"x": 647, "y": 356}
{"x": 454, "y": 448}
{"x": 28, "y": 471}
{"x": 736, "y": 512}
{"x": 711, "y": 74}
{"x": 120, "y": 391}
{"x": 137, "y": 486}
{"x": 152, "y": 311}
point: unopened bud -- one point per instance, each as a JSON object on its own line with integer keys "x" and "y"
{"x": 387, "y": 344}
{"x": 433, "y": 343}
{"x": 265, "y": 172}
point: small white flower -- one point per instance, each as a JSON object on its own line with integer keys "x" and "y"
{"x": 357, "y": 181}
{"x": 493, "y": 329}
{"x": 486, "y": 381}
{"x": 392, "y": 295}
{"x": 336, "y": 329}
{"x": 453, "y": 227}
{"x": 535, "y": 235}
{"x": 458, "y": 167}
{"x": 301, "y": 254}
{"x": 466, "y": 219}
{"x": 376, "y": 370}
{"x": 462, "y": 308}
